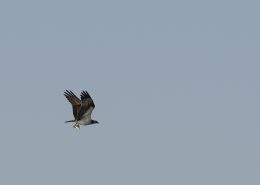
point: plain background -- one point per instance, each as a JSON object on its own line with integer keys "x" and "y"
{"x": 175, "y": 83}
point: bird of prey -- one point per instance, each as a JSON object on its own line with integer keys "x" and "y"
{"x": 82, "y": 108}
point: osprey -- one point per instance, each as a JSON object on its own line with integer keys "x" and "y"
{"x": 82, "y": 108}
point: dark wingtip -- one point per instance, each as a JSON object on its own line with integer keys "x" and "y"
{"x": 84, "y": 95}
{"x": 68, "y": 93}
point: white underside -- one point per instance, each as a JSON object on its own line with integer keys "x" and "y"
{"x": 84, "y": 121}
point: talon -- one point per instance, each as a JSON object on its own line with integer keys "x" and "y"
{"x": 76, "y": 126}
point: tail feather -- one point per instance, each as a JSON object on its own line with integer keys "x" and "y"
{"x": 69, "y": 121}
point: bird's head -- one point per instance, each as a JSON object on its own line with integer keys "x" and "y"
{"x": 94, "y": 122}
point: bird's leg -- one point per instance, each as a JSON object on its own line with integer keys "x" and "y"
{"x": 76, "y": 125}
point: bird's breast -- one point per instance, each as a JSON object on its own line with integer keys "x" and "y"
{"x": 85, "y": 120}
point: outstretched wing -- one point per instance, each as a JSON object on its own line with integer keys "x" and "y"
{"x": 87, "y": 105}
{"x": 74, "y": 100}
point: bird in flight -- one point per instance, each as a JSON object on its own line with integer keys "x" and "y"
{"x": 82, "y": 108}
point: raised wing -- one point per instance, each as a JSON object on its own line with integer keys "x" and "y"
{"x": 75, "y": 102}
{"x": 87, "y": 105}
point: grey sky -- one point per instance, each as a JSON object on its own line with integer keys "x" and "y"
{"x": 175, "y": 83}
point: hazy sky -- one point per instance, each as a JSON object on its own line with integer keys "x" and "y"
{"x": 175, "y": 83}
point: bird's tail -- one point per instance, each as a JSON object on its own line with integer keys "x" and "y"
{"x": 69, "y": 121}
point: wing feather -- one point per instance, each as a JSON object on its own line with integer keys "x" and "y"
{"x": 74, "y": 100}
{"x": 87, "y": 105}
